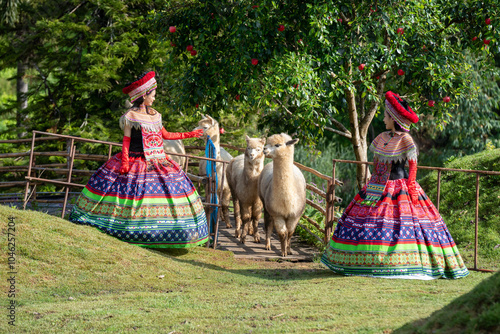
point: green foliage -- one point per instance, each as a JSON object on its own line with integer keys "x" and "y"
{"x": 305, "y": 71}
{"x": 470, "y": 125}
{"x": 81, "y": 55}
{"x": 457, "y": 204}
{"x": 321, "y": 158}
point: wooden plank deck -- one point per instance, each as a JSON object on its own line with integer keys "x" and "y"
{"x": 256, "y": 251}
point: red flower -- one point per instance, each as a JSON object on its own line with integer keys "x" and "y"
{"x": 172, "y": 44}
{"x": 221, "y": 130}
{"x": 255, "y": 61}
{"x": 189, "y": 48}
{"x": 430, "y": 103}
{"x": 194, "y": 52}
{"x": 255, "y": 6}
{"x": 361, "y": 67}
{"x": 172, "y": 29}
{"x": 401, "y": 72}
{"x": 474, "y": 38}
{"x": 340, "y": 20}
{"x": 197, "y": 105}
{"x": 486, "y": 41}
{"x": 487, "y": 21}
{"x": 281, "y": 27}
{"x": 446, "y": 99}
{"x": 237, "y": 97}
{"x": 400, "y": 31}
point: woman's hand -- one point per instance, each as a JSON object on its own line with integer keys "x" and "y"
{"x": 196, "y": 133}
{"x": 181, "y": 135}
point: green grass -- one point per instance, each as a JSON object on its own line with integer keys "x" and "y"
{"x": 458, "y": 206}
{"x": 476, "y": 312}
{"x": 75, "y": 279}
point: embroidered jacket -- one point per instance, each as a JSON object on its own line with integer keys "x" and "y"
{"x": 150, "y": 126}
{"x": 394, "y": 148}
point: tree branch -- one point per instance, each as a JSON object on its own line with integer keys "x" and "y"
{"x": 344, "y": 133}
{"x": 347, "y": 134}
{"x": 339, "y": 125}
{"x": 367, "y": 119}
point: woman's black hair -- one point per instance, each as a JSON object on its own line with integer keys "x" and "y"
{"x": 398, "y": 127}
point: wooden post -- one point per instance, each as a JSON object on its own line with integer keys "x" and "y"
{"x": 477, "y": 222}
{"x": 330, "y": 202}
{"x": 29, "y": 172}
{"x": 439, "y": 189}
{"x": 208, "y": 211}
{"x": 110, "y": 151}
{"x": 216, "y": 234}
{"x": 71, "y": 160}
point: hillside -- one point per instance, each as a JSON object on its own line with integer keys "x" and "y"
{"x": 458, "y": 203}
{"x": 75, "y": 279}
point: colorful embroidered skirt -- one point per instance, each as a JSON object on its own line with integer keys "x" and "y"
{"x": 155, "y": 205}
{"x": 395, "y": 239}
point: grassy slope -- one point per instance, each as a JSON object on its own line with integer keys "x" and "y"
{"x": 476, "y": 312}
{"x": 74, "y": 279}
{"x": 458, "y": 191}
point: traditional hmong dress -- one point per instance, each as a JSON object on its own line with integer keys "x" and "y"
{"x": 383, "y": 234}
{"x": 154, "y": 205}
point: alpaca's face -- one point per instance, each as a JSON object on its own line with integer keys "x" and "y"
{"x": 255, "y": 148}
{"x": 209, "y": 126}
{"x": 279, "y": 145}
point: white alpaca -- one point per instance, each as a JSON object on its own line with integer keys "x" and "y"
{"x": 175, "y": 146}
{"x": 282, "y": 190}
{"x": 211, "y": 128}
{"x": 243, "y": 175}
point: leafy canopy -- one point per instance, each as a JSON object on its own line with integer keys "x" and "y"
{"x": 306, "y": 71}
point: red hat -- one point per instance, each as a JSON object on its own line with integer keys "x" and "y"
{"x": 141, "y": 87}
{"x": 400, "y": 111}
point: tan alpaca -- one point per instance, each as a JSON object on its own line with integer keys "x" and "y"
{"x": 210, "y": 128}
{"x": 243, "y": 175}
{"x": 175, "y": 146}
{"x": 282, "y": 190}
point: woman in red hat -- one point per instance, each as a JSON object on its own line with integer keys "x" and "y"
{"x": 140, "y": 195}
{"x": 391, "y": 229}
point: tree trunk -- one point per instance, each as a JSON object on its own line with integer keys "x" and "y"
{"x": 359, "y": 129}
{"x": 358, "y": 139}
{"x": 22, "y": 95}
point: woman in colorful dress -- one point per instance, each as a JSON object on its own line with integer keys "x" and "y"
{"x": 140, "y": 195}
{"x": 391, "y": 229}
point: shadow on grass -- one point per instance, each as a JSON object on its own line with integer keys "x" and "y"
{"x": 475, "y": 312}
{"x": 270, "y": 274}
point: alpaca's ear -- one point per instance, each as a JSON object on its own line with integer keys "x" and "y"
{"x": 263, "y": 141}
{"x": 292, "y": 142}
{"x": 213, "y": 120}
{"x": 247, "y": 138}
{"x": 204, "y": 116}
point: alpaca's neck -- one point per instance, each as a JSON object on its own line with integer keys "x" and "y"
{"x": 282, "y": 174}
{"x": 215, "y": 140}
{"x": 253, "y": 168}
